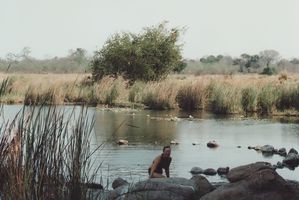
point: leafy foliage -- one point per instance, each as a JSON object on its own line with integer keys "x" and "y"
{"x": 148, "y": 56}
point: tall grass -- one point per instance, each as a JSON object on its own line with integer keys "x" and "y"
{"x": 191, "y": 96}
{"x": 249, "y": 99}
{"x": 45, "y": 154}
{"x": 216, "y": 93}
{"x": 224, "y": 99}
{"x": 266, "y": 100}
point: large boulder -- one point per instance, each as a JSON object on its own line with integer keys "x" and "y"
{"x": 242, "y": 172}
{"x": 254, "y": 182}
{"x": 162, "y": 189}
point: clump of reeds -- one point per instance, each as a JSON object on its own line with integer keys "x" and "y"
{"x": 224, "y": 98}
{"x": 249, "y": 99}
{"x": 191, "y": 96}
{"x": 160, "y": 96}
{"x": 135, "y": 93}
{"x": 267, "y": 98}
{"x": 45, "y": 154}
{"x": 288, "y": 98}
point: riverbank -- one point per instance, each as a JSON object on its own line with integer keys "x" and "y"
{"x": 220, "y": 94}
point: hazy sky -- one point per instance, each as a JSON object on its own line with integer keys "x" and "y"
{"x": 52, "y": 27}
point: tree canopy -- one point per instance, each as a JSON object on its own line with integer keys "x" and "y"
{"x": 148, "y": 56}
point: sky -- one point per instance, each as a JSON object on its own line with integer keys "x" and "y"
{"x": 228, "y": 27}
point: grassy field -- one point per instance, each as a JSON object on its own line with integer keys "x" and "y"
{"x": 223, "y": 94}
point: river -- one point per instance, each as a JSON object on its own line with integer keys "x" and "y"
{"x": 148, "y": 131}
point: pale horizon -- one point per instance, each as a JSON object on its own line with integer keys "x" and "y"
{"x": 232, "y": 27}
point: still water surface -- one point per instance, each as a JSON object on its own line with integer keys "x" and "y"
{"x": 148, "y": 131}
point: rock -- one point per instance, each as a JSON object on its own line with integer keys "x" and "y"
{"x": 239, "y": 146}
{"x": 123, "y": 142}
{"x": 292, "y": 150}
{"x": 195, "y": 143}
{"x": 119, "y": 182}
{"x": 279, "y": 165}
{"x": 212, "y": 144}
{"x": 210, "y": 172}
{"x": 267, "y": 149}
{"x": 162, "y": 189}
{"x": 202, "y": 186}
{"x": 255, "y": 181}
{"x": 196, "y": 170}
{"x": 245, "y": 171}
{"x": 282, "y": 152}
{"x": 291, "y": 160}
{"x": 222, "y": 170}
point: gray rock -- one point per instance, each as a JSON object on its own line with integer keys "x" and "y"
{"x": 292, "y": 150}
{"x": 118, "y": 182}
{"x": 267, "y": 149}
{"x": 162, "y": 189}
{"x": 282, "y": 151}
{"x": 210, "y": 171}
{"x": 222, "y": 170}
{"x": 242, "y": 172}
{"x": 202, "y": 186}
{"x": 262, "y": 183}
{"x": 196, "y": 170}
{"x": 291, "y": 160}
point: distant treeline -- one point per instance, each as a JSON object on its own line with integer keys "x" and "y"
{"x": 266, "y": 62}
{"x": 77, "y": 61}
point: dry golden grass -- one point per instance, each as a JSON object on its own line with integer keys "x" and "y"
{"x": 206, "y": 91}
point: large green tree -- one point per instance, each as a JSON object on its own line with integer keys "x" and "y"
{"x": 148, "y": 56}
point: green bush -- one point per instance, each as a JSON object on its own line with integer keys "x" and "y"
{"x": 269, "y": 71}
{"x": 148, "y": 56}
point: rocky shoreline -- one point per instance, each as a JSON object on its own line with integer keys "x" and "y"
{"x": 254, "y": 181}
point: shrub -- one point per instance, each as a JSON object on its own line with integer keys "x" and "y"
{"x": 148, "y": 56}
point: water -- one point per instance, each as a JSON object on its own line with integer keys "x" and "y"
{"x": 148, "y": 131}
{"x": 148, "y": 134}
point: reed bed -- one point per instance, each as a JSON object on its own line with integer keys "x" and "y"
{"x": 223, "y": 94}
{"x": 45, "y": 153}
